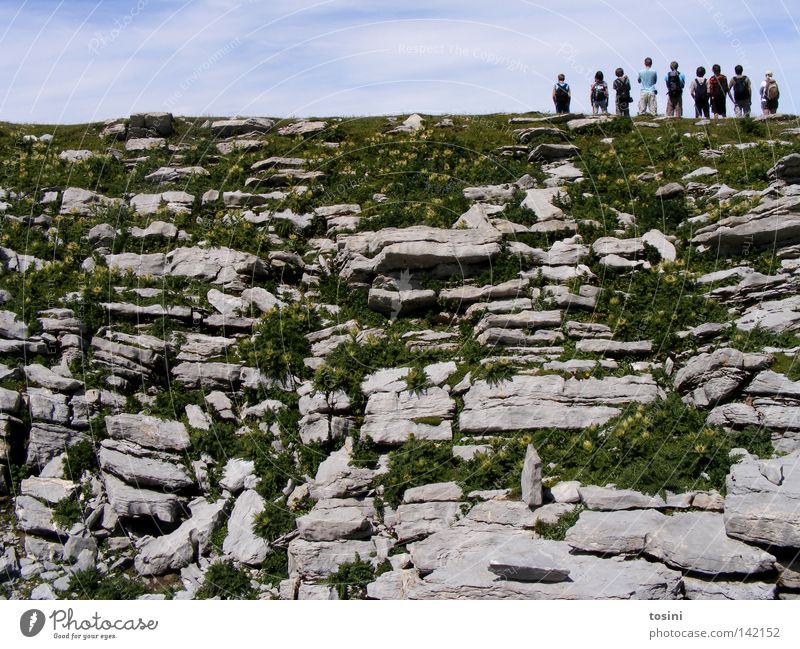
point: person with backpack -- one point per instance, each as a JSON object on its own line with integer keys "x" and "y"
{"x": 622, "y": 86}
{"x": 675, "y": 84}
{"x": 741, "y": 93}
{"x": 770, "y": 93}
{"x": 562, "y": 95}
{"x": 699, "y": 92}
{"x": 648, "y": 78}
{"x": 718, "y": 91}
{"x": 598, "y": 95}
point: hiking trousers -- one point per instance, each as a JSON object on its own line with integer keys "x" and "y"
{"x": 648, "y": 105}
{"x": 742, "y": 108}
{"x": 674, "y": 106}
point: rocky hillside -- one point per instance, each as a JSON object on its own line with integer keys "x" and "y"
{"x": 469, "y": 357}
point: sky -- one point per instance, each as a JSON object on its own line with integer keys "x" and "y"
{"x": 75, "y": 61}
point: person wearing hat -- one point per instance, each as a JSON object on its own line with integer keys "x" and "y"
{"x": 770, "y": 93}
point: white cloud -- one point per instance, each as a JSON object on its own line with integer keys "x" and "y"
{"x": 92, "y": 60}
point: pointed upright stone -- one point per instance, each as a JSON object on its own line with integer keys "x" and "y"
{"x": 532, "y": 478}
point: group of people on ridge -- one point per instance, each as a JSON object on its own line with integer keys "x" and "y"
{"x": 709, "y": 95}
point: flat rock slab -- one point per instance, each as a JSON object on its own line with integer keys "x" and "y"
{"x": 697, "y": 542}
{"x": 590, "y": 577}
{"x": 422, "y": 519}
{"x": 148, "y": 431}
{"x": 613, "y": 532}
{"x": 762, "y": 504}
{"x": 611, "y": 499}
{"x": 335, "y": 523}
{"x": 535, "y": 565}
{"x": 551, "y": 401}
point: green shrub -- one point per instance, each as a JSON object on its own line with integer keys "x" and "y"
{"x": 275, "y": 521}
{"x": 495, "y": 373}
{"x": 67, "y": 512}
{"x": 80, "y": 457}
{"x": 417, "y": 380}
{"x": 416, "y": 463}
{"x": 557, "y": 531}
{"x": 224, "y": 581}
{"x": 351, "y": 579}
{"x": 93, "y": 585}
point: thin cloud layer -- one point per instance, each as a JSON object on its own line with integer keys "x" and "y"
{"x": 81, "y": 61}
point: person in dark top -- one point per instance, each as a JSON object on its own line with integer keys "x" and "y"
{"x": 622, "y": 86}
{"x": 699, "y": 92}
{"x": 741, "y": 93}
{"x": 562, "y": 95}
{"x": 718, "y": 92}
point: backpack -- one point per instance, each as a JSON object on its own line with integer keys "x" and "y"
{"x": 562, "y": 92}
{"x": 717, "y": 91}
{"x": 623, "y": 87}
{"x": 674, "y": 87}
{"x": 600, "y": 91}
{"x": 701, "y": 94}
{"x": 772, "y": 92}
{"x": 741, "y": 91}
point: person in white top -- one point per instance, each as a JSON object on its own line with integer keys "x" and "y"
{"x": 770, "y": 93}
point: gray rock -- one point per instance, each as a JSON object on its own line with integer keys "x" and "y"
{"x": 535, "y": 565}
{"x": 697, "y": 542}
{"x": 179, "y": 548}
{"x": 46, "y": 441}
{"x": 148, "y": 431}
{"x": 152, "y": 123}
{"x": 614, "y": 532}
{"x": 331, "y": 520}
{"x": 11, "y": 327}
{"x": 531, "y": 479}
{"x": 132, "y": 502}
{"x": 614, "y": 348}
{"x": 139, "y": 466}
{"x": 550, "y": 401}
{"x": 434, "y": 492}
{"x": 236, "y": 473}
{"x": 717, "y": 589}
{"x": 49, "y": 490}
{"x": 611, "y": 499}
{"x": 566, "y": 492}
{"x": 241, "y": 542}
{"x": 316, "y": 560}
{"x": 711, "y": 378}
{"x": 759, "y": 511}
{"x": 141, "y": 144}
{"x": 421, "y": 519}
{"x": 463, "y": 571}
{"x": 231, "y": 127}
{"x": 43, "y": 592}
{"x": 670, "y": 191}
{"x": 551, "y": 152}
{"x": 35, "y": 517}
{"x": 390, "y": 418}
{"x": 45, "y": 377}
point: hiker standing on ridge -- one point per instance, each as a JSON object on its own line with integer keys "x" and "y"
{"x": 718, "y": 91}
{"x": 675, "y": 83}
{"x": 622, "y": 86}
{"x": 562, "y": 95}
{"x": 770, "y": 93}
{"x": 648, "y": 105}
{"x": 741, "y": 93}
{"x": 598, "y": 95}
{"x": 699, "y": 91}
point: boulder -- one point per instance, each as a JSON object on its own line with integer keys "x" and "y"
{"x": 762, "y": 504}
{"x": 331, "y": 520}
{"x": 139, "y": 466}
{"x": 241, "y": 542}
{"x": 612, "y": 499}
{"x": 132, "y": 502}
{"x": 435, "y": 492}
{"x": 710, "y": 378}
{"x": 697, "y": 542}
{"x": 421, "y": 519}
{"x": 148, "y": 431}
{"x": 613, "y": 532}
{"x": 526, "y": 402}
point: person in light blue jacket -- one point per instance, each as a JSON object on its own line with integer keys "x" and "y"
{"x": 648, "y": 78}
{"x": 675, "y": 81}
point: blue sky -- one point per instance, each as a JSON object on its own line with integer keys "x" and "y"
{"x": 79, "y": 60}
